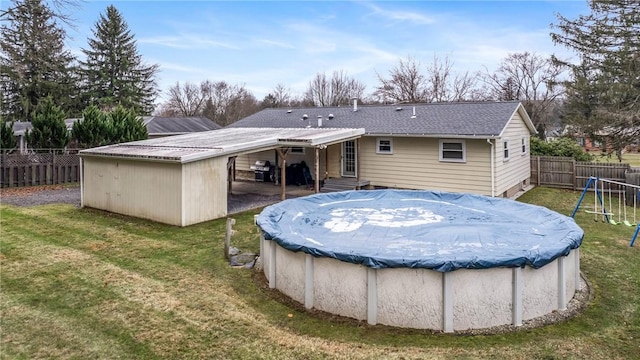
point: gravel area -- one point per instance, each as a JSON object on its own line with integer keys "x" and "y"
{"x": 41, "y": 195}
{"x": 56, "y": 194}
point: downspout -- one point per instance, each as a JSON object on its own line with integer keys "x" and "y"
{"x": 492, "y": 166}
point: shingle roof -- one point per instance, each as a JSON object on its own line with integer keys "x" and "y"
{"x": 446, "y": 119}
{"x": 178, "y": 125}
{"x": 156, "y": 125}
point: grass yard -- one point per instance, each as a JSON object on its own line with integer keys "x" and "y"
{"x": 80, "y": 283}
{"x": 632, "y": 159}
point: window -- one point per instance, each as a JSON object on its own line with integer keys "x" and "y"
{"x": 506, "y": 149}
{"x": 297, "y": 150}
{"x": 384, "y": 146}
{"x": 580, "y": 141}
{"x": 452, "y": 150}
{"x": 524, "y": 146}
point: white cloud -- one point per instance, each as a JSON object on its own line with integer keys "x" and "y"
{"x": 186, "y": 41}
{"x": 401, "y": 15}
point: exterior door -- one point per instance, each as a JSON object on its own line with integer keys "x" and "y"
{"x": 349, "y": 158}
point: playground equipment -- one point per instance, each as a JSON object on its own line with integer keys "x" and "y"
{"x": 604, "y": 189}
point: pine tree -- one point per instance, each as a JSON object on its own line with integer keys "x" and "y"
{"x": 93, "y": 129}
{"x": 34, "y": 63}
{"x": 8, "y": 141}
{"x": 114, "y": 70}
{"x": 125, "y": 126}
{"x": 49, "y": 132}
{"x": 604, "y": 94}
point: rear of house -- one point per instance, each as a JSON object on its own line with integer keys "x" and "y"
{"x": 479, "y": 148}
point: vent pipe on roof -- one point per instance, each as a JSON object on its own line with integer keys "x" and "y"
{"x": 319, "y": 120}
{"x": 355, "y": 104}
{"x": 414, "y": 113}
{"x": 330, "y": 116}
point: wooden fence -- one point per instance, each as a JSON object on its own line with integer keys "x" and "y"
{"x": 565, "y": 172}
{"x": 38, "y": 169}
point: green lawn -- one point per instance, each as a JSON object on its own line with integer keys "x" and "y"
{"x": 80, "y": 283}
{"x": 632, "y": 159}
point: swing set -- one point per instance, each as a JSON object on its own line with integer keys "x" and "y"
{"x": 604, "y": 189}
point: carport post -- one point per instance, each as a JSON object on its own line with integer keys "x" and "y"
{"x": 316, "y": 186}
{"x": 283, "y": 171}
{"x": 230, "y": 174}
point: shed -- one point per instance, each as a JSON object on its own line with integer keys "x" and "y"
{"x": 183, "y": 180}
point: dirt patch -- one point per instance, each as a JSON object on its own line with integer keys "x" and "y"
{"x": 40, "y": 195}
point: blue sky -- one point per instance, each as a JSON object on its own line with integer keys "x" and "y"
{"x": 263, "y": 43}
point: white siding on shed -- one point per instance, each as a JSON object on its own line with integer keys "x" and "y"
{"x": 149, "y": 190}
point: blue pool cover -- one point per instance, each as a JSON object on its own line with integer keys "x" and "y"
{"x": 421, "y": 229}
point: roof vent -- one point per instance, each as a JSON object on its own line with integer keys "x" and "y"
{"x": 398, "y": 108}
{"x": 330, "y": 116}
{"x": 305, "y": 116}
{"x": 289, "y": 111}
{"x": 319, "y": 120}
{"x": 355, "y": 104}
{"x": 414, "y": 113}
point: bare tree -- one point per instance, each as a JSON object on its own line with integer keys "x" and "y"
{"x": 187, "y": 99}
{"x": 405, "y": 83}
{"x": 531, "y": 78}
{"x": 338, "y": 90}
{"x": 226, "y": 104}
{"x": 280, "y": 96}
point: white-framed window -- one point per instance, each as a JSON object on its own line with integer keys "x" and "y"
{"x": 523, "y": 146}
{"x": 505, "y": 149}
{"x": 297, "y": 150}
{"x": 580, "y": 141}
{"x": 453, "y": 150}
{"x": 384, "y": 146}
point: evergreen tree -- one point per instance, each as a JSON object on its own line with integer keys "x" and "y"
{"x": 49, "y": 130}
{"x": 34, "y": 63}
{"x": 125, "y": 126}
{"x": 93, "y": 129}
{"x": 114, "y": 71}
{"x": 604, "y": 94}
{"x": 8, "y": 141}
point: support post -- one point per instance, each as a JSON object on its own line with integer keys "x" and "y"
{"x": 227, "y": 237}
{"x": 308, "y": 282}
{"x": 357, "y": 164}
{"x": 372, "y": 296}
{"x": 283, "y": 171}
{"x": 272, "y": 264}
{"x": 516, "y": 306}
{"x": 447, "y": 302}
{"x": 316, "y": 185}
{"x": 230, "y": 173}
{"x": 81, "y": 184}
{"x": 562, "y": 284}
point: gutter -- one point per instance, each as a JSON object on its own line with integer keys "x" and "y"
{"x": 493, "y": 165}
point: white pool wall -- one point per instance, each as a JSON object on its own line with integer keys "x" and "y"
{"x": 422, "y": 298}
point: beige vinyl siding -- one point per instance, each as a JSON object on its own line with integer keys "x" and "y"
{"x": 149, "y": 190}
{"x": 204, "y": 185}
{"x": 517, "y": 168}
{"x": 415, "y": 164}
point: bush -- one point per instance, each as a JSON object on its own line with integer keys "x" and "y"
{"x": 561, "y": 147}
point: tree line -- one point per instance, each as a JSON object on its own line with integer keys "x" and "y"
{"x": 599, "y": 95}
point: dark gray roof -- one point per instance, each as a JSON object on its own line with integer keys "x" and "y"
{"x": 156, "y": 125}
{"x": 178, "y": 125}
{"x": 448, "y": 119}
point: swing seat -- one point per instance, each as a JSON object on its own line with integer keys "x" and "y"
{"x": 613, "y": 222}
{"x": 598, "y": 212}
{"x": 627, "y": 223}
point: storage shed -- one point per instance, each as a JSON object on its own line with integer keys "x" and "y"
{"x": 183, "y": 180}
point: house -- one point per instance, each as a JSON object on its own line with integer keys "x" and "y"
{"x": 476, "y": 147}
{"x": 157, "y": 126}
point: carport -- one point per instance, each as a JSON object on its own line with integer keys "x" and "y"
{"x": 183, "y": 180}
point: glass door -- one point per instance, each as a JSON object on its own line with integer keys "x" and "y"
{"x": 349, "y": 158}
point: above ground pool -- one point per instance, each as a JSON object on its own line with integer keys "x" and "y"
{"x": 421, "y": 259}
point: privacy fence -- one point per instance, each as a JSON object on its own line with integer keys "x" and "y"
{"x": 39, "y": 169}
{"x": 565, "y": 172}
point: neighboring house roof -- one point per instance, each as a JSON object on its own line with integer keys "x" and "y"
{"x": 464, "y": 119}
{"x": 157, "y": 125}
